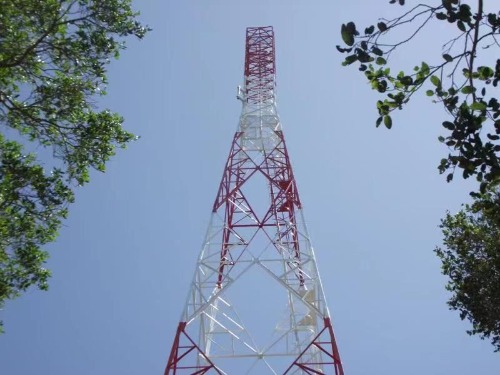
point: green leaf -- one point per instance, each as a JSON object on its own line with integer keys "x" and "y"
{"x": 485, "y": 72}
{"x": 493, "y": 137}
{"x": 492, "y": 19}
{"x": 406, "y": 80}
{"x": 382, "y": 26}
{"x": 387, "y": 121}
{"x": 424, "y": 68}
{"x": 379, "y": 121}
{"x": 449, "y": 125}
{"x": 342, "y": 50}
{"x": 468, "y": 89}
{"x": 441, "y": 16}
{"x": 363, "y": 56}
{"x": 377, "y": 51}
{"x": 347, "y": 35}
{"x": 350, "y": 59}
{"x": 461, "y": 26}
{"x": 447, "y": 57}
{"x": 482, "y": 187}
{"x": 478, "y": 106}
{"x": 429, "y": 92}
{"x": 380, "y": 61}
{"x": 436, "y": 81}
{"x": 369, "y": 30}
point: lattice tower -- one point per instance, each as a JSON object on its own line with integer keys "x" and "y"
{"x": 256, "y": 304}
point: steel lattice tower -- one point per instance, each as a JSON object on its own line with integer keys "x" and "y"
{"x": 256, "y": 227}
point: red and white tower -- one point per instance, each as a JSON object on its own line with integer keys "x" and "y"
{"x": 256, "y": 304}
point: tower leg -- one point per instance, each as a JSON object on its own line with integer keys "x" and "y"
{"x": 186, "y": 356}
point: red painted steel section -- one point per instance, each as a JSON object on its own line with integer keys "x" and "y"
{"x": 276, "y": 168}
{"x": 335, "y": 350}
{"x": 181, "y": 350}
{"x": 260, "y": 64}
{"x": 324, "y": 341}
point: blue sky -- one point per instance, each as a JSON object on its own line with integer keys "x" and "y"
{"x": 372, "y": 197}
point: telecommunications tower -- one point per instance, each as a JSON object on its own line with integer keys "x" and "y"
{"x": 256, "y": 304}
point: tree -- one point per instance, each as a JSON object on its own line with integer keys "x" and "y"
{"x": 467, "y": 91}
{"x": 471, "y": 260}
{"x": 454, "y": 80}
{"x": 53, "y": 60}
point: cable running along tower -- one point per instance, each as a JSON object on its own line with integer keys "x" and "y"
{"x": 257, "y": 265}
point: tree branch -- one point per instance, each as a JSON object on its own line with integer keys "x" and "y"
{"x": 479, "y": 17}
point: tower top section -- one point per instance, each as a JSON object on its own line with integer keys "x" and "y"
{"x": 260, "y": 65}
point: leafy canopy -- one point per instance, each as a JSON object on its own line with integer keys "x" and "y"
{"x": 53, "y": 60}
{"x": 471, "y": 260}
{"x": 32, "y": 206}
{"x": 466, "y": 89}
